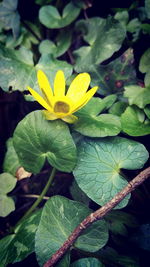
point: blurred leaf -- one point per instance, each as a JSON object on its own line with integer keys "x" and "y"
{"x": 65, "y": 261}
{"x": 43, "y": 2}
{"x": 47, "y": 47}
{"x": 51, "y": 18}
{"x": 99, "y": 163}
{"x": 64, "y": 215}
{"x": 112, "y": 78}
{"x": 49, "y": 140}
{"x": 147, "y": 79}
{"x": 11, "y": 161}
{"x": 9, "y": 16}
{"x": 144, "y": 65}
{"x": 147, "y": 8}
{"x": 63, "y": 42}
{"x": 87, "y": 262}
{"x": 118, "y": 108}
{"x": 131, "y": 124}
{"x": 146, "y": 28}
{"x": 134, "y": 25}
{"x": 118, "y": 221}
{"x": 122, "y": 16}
{"x": 7, "y": 184}
{"x": 18, "y": 71}
{"x": 113, "y": 258}
{"x": 104, "y": 37}
{"x": 17, "y": 246}
{"x": 90, "y": 123}
{"x": 137, "y": 95}
{"x": 26, "y": 38}
{"x": 147, "y": 111}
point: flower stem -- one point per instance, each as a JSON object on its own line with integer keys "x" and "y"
{"x": 40, "y": 198}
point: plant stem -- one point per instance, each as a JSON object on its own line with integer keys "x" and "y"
{"x": 97, "y": 215}
{"x": 40, "y": 198}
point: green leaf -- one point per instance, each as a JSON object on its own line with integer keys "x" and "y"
{"x": 17, "y": 246}
{"x": 42, "y": 2}
{"x": 122, "y": 16}
{"x": 87, "y": 262}
{"x": 65, "y": 261}
{"x": 118, "y": 108}
{"x": 104, "y": 37}
{"x": 11, "y": 162}
{"x": 134, "y": 25}
{"x": 137, "y": 95}
{"x": 7, "y": 184}
{"x": 147, "y": 8}
{"x": 145, "y": 61}
{"x": 147, "y": 79}
{"x": 16, "y": 68}
{"x": 64, "y": 215}
{"x": 94, "y": 125}
{"x": 147, "y": 111}
{"x": 18, "y": 71}
{"x": 112, "y": 78}
{"x": 63, "y": 42}
{"x": 99, "y": 163}
{"x": 10, "y": 17}
{"x": 112, "y": 257}
{"x": 50, "y": 17}
{"x": 50, "y": 66}
{"x": 131, "y": 124}
{"x": 118, "y": 221}
{"x": 36, "y": 139}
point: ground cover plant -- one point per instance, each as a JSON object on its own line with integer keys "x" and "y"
{"x": 75, "y": 125}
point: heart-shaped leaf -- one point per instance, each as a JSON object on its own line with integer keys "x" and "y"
{"x": 111, "y": 78}
{"x": 36, "y": 139}
{"x": 9, "y": 16}
{"x": 104, "y": 37}
{"x": 11, "y": 161}
{"x": 137, "y": 95}
{"x": 64, "y": 215}
{"x": 17, "y": 246}
{"x": 132, "y": 124}
{"x": 50, "y": 17}
{"x": 118, "y": 108}
{"x": 17, "y": 69}
{"x": 62, "y": 41}
{"x": 7, "y": 184}
{"x": 94, "y": 125}
{"x": 145, "y": 61}
{"x": 99, "y": 163}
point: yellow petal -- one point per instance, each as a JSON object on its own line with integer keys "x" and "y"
{"x": 59, "y": 84}
{"x": 70, "y": 119}
{"x": 38, "y": 98}
{"x": 49, "y": 116}
{"x": 79, "y": 86}
{"x": 45, "y": 86}
{"x": 83, "y": 101}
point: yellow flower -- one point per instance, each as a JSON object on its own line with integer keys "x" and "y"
{"x": 59, "y": 105}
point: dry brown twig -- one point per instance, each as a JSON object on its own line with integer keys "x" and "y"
{"x": 97, "y": 215}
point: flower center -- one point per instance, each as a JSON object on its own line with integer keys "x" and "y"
{"x": 61, "y": 107}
